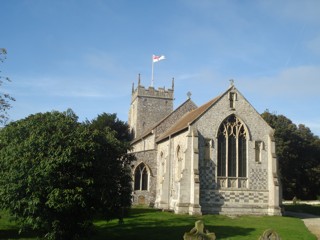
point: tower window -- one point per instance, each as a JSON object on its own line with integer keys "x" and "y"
{"x": 141, "y": 177}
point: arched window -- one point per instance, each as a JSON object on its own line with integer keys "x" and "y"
{"x": 141, "y": 177}
{"x": 232, "y": 153}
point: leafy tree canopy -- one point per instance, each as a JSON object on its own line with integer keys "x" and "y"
{"x": 298, "y": 152}
{"x": 5, "y": 98}
{"x": 56, "y": 173}
{"x": 116, "y": 191}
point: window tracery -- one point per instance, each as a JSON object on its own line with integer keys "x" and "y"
{"x": 232, "y": 153}
{"x": 141, "y": 177}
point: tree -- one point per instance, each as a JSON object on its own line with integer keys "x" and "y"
{"x": 5, "y": 98}
{"x": 115, "y": 190}
{"x": 111, "y": 121}
{"x": 56, "y": 173}
{"x": 298, "y": 152}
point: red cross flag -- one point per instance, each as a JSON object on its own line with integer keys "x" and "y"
{"x": 157, "y": 58}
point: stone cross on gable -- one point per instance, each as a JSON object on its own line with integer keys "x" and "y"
{"x": 189, "y": 95}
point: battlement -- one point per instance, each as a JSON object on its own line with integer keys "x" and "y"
{"x": 148, "y": 106}
{"x": 151, "y": 92}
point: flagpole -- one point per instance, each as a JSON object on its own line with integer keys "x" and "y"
{"x": 152, "y": 73}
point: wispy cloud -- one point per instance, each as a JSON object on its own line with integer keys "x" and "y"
{"x": 307, "y": 11}
{"x": 67, "y": 87}
{"x": 314, "y": 45}
{"x": 299, "y": 81}
{"x": 102, "y": 61}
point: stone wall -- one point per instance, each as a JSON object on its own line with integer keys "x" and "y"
{"x": 149, "y": 159}
{"x": 234, "y": 202}
{"x": 148, "y": 106}
{"x": 162, "y": 186}
{"x": 148, "y": 143}
{"x": 255, "y": 194}
{"x": 145, "y": 144}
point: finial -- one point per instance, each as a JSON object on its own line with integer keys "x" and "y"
{"x": 189, "y": 95}
{"x": 231, "y": 82}
{"x": 172, "y": 83}
{"x": 139, "y": 79}
{"x": 132, "y": 87}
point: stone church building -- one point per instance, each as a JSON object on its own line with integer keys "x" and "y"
{"x": 217, "y": 158}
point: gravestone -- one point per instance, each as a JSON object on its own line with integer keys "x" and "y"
{"x": 141, "y": 200}
{"x": 197, "y": 233}
{"x": 270, "y": 234}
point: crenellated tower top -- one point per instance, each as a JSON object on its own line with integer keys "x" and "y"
{"x": 148, "y": 106}
{"x": 151, "y": 92}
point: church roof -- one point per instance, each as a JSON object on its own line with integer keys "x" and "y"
{"x": 187, "y": 119}
{"x": 150, "y": 130}
{"x": 190, "y": 117}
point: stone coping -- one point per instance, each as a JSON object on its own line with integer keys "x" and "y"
{"x": 311, "y": 202}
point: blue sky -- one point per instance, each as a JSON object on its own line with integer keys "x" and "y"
{"x": 85, "y": 54}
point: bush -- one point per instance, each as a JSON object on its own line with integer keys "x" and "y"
{"x": 54, "y": 173}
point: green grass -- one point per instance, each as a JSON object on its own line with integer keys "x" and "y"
{"x": 303, "y": 208}
{"x": 10, "y": 230}
{"x": 146, "y": 223}
{"x": 150, "y": 223}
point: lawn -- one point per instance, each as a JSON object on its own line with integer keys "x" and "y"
{"x": 303, "y": 208}
{"x": 150, "y": 223}
{"x": 9, "y": 229}
{"x": 146, "y": 223}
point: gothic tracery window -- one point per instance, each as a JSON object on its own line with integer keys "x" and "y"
{"x": 141, "y": 177}
{"x": 232, "y": 153}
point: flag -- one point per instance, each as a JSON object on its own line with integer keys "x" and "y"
{"x": 157, "y": 58}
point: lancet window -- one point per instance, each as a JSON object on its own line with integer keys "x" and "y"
{"x": 141, "y": 177}
{"x": 232, "y": 154}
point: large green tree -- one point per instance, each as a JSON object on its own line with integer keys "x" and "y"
{"x": 116, "y": 189}
{"x": 5, "y": 98}
{"x": 298, "y": 152}
{"x": 56, "y": 173}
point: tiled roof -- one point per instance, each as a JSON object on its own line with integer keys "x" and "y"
{"x": 187, "y": 119}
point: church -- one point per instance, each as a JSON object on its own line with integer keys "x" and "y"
{"x": 218, "y": 158}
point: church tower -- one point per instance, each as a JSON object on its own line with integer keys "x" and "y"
{"x": 148, "y": 106}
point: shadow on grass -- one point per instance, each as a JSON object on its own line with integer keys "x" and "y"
{"x": 134, "y": 212}
{"x": 227, "y": 231}
{"x": 160, "y": 233}
{"x": 159, "y": 230}
{"x": 303, "y": 208}
{"x": 14, "y": 234}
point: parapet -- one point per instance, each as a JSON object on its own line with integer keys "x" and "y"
{"x": 151, "y": 92}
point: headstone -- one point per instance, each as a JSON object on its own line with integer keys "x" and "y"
{"x": 270, "y": 234}
{"x": 141, "y": 200}
{"x": 197, "y": 233}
